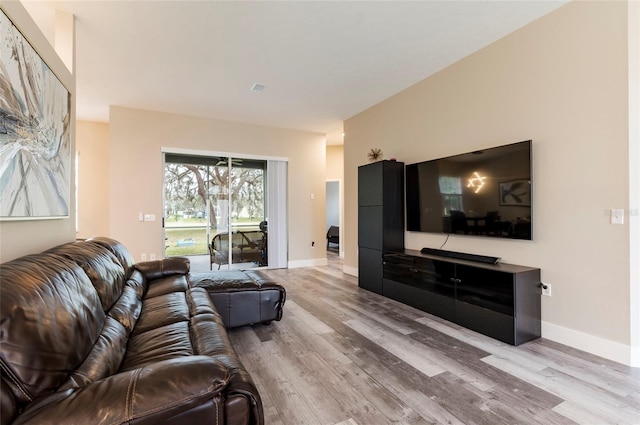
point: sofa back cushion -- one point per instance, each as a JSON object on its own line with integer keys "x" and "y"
{"x": 103, "y": 268}
{"x": 118, "y": 249}
{"x": 103, "y": 360}
{"x": 127, "y": 309}
{"x": 51, "y": 317}
{"x": 109, "y": 351}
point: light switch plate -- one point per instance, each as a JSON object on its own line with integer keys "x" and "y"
{"x": 617, "y": 216}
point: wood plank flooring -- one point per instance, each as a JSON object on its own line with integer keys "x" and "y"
{"x": 345, "y": 356}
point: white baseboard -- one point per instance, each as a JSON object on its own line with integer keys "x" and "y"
{"x": 353, "y": 271}
{"x": 635, "y": 357}
{"x": 313, "y": 262}
{"x": 591, "y": 344}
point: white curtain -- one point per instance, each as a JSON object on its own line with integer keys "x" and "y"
{"x": 277, "y": 214}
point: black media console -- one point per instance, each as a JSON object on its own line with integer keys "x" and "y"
{"x": 499, "y": 300}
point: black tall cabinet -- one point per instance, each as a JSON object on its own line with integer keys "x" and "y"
{"x": 380, "y": 219}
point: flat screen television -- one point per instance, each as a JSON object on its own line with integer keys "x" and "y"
{"x": 482, "y": 193}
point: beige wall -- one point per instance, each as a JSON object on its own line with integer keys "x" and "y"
{"x": 135, "y": 174}
{"x": 92, "y": 146}
{"x": 335, "y": 162}
{"x": 634, "y": 176}
{"x": 563, "y": 82}
{"x": 24, "y": 237}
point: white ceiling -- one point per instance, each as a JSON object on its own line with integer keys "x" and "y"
{"x": 322, "y": 61}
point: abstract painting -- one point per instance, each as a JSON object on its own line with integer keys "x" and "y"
{"x": 516, "y": 193}
{"x": 35, "y": 141}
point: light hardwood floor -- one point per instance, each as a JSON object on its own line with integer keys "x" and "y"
{"x": 343, "y": 355}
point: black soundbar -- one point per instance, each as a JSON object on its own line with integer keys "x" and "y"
{"x": 461, "y": 255}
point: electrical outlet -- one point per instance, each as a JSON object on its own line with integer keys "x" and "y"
{"x": 143, "y": 257}
{"x": 152, "y": 257}
{"x": 546, "y": 289}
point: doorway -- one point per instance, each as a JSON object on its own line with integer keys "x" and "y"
{"x": 215, "y": 207}
{"x": 333, "y": 217}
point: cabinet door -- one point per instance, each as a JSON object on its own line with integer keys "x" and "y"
{"x": 393, "y": 200}
{"x": 370, "y": 184}
{"x": 370, "y": 227}
{"x": 436, "y": 278}
{"x": 485, "y": 302}
{"x": 422, "y": 283}
{"x": 393, "y": 185}
{"x": 484, "y": 288}
{"x": 393, "y": 227}
{"x": 370, "y": 269}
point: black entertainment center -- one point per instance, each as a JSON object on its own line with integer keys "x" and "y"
{"x": 475, "y": 291}
{"x": 498, "y": 300}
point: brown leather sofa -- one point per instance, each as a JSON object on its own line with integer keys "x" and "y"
{"x": 89, "y": 337}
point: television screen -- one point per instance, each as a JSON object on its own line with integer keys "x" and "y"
{"x": 482, "y": 193}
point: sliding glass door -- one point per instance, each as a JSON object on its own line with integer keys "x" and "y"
{"x": 216, "y": 206}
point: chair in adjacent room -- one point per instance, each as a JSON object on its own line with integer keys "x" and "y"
{"x": 459, "y": 222}
{"x": 333, "y": 236}
{"x": 492, "y": 223}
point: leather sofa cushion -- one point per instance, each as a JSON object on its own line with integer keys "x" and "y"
{"x": 8, "y": 406}
{"x": 103, "y": 360}
{"x": 209, "y": 336}
{"x": 169, "y": 266}
{"x": 167, "y": 285}
{"x": 161, "y": 311}
{"x": 118, "y": 249}
{"x": 163, "y": 343}
{"x": 138, "y": 282}
{"x": 158, "y": 393}
{"x": 127, "y": 309}
{"x": 165, "y": 328}
{"x": 103, "y": 268}
{"x": 52, "y": 317}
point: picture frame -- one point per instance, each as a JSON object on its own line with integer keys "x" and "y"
{"x": 515, "y": 193}
{"x": 35, "y": 133}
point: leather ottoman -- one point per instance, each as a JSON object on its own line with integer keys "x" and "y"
{"x": 242, "y": 297}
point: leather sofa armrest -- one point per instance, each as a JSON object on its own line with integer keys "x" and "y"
{"x": 165, "y": 267}
{"x": 149, "y": 395}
